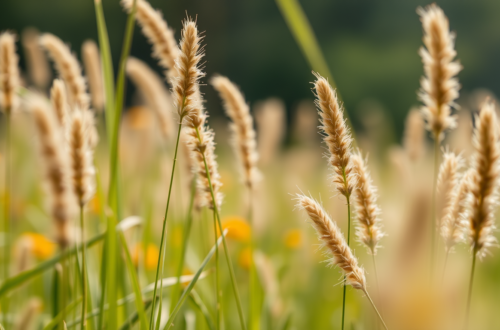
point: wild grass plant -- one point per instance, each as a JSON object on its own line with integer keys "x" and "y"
{"x": 132, "y": 217}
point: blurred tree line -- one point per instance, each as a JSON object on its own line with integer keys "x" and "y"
{"x": 370, "y": 45}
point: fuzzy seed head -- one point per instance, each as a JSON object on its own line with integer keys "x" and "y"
{"x": 336, "y": 136}
{"x": 36, "y": 60}
{"x": 414, "y": 137}
{"x": 484, "y": 181}
{"x": 448, "y": 180}
{"x": 92, "y": 63}
{"x": 9, "y": 73}
{"x": 369, "y": 229}
{"x": 242, "y": 127}
{"x": 155, "y": 28}
{"x": 334, "y": 241}
{"x": 439, "y": 86}
{"x": 68, "y": 68}
{"x": 59, "y": 102}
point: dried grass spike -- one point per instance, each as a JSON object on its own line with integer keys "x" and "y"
{"x": 455, "y": 222}
{"x": 447, "y": 181}
{"x": 9, "y": 73}
{"x": 155, "y": 28}
{"x": 337, "y": 136}
{"x": 56, "y": 166}
{"x": 484, "y": 181}
{"x": 187, "y": 74}
{"x": 82, "y": 169}
{"x": 369, "y": 229}
{"x": 155, "y": 93}
{"x": 36, "y": 61}
{"x": 92, "y": 63}
{"x": 242, "y": 127}
{"x": 68, "y": 68}
{"x": 439, "y": 86}
{"x": 59, "y": 102}
{"x": 334, "y": 241}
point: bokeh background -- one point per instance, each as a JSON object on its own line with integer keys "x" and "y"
{"x": 370, "y": 45}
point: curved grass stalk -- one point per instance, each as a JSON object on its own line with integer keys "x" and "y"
{"x": 228, "y": 260}
{"x": 348, "y": 244}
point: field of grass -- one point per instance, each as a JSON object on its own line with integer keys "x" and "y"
{"x": 155, "y": 215}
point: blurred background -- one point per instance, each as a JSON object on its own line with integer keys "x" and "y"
{"x": 370, "y": 46}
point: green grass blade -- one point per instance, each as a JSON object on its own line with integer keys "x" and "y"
{"x": 107, "y": 64}
{"x": 23, "y": 277}
{"x": 191, "y": 285}
{"x": 135, "y": 285}
{"x": 135, "y": 316}
{"x": 303, "y": 33}
{"x": 56, "y": 320}
{"x": 196, "y": 301}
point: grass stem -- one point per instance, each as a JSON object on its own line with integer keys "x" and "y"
{"x": 217, "y": 280}
{"x": 226, "y": 251}
{"x": 375, "y": 308}
{"x": 6, "y": 219}
{"x": 433, "y": 204}
{"x": 84, "y": 271}
{"x": 469, "y": 295}
{"x": 348, "y": 244}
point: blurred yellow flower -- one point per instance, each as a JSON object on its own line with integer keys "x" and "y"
{"x": 238, "y": 229}
{"x": 139, "y": 118}
{"x": 293, "y": 238}
{"x": 95, "y": 205}
{"x": 152, "y": 254}
{"x": 245, "y": 258}
{"x": 186, "y": 271}
{"x": 40, "y": 246}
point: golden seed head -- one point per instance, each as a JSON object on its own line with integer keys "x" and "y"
{"x": 9, "y": 73}
{"x": 92, "y": 64}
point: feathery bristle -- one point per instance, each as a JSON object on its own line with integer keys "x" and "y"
{"x": 369, "y": 230}
{"x": 447, "y": 181}
{"x": 414, "y": 137}
{"x": 187, "y": 73}
{"x": 439, "y": 87}
{"x": 9, "y": 73}
{"x": 155, "y": 28}
{"x": 337, "y": 136}
{"x": 82, "y": 169}
{"x": 59, "y": 102}
{"x": 155, "y": 94}
{"x": 484, "y": 181}
{"x": 68, "y": 68}
{"x": 56, "y": 164}
{"x": 454, "y": 223}
{"x": 92, "y": 63}
{"x": 36, "y": 61}
{"x": 334, "y": 241}
{"x": 242, "y": 127}
{"x": 271, "y": 123}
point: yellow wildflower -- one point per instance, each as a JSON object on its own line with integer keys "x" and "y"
{"x": 293, "y": 239}
{"x": 152, "y": 253}
{"x": 238, "y": 229}
{"x": 39, "y": 246}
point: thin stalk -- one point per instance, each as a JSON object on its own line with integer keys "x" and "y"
{"x": 226, "y": 251}
{"x": 217, "y": 280}
{"x": 253, "y": 324}
{"x": 161, "y": 260}
{"x": 84, "y": 271}
{"x": 376, "y": 275}
{"x": 187, "y": 231}
{"x": 348, "y": 244}
{"x": 375, "y": 308}
{"x": 433, "y": 204}
{"x": 471, "y": 281}
{"x": 6, "y": 228}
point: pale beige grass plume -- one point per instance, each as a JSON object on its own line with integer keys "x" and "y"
{"x": 244, "y": 136}
{"x": 155, "y": 28}
{"x": 337, "y": 137}
{"x": 92, "y": 64}
{"x": 448, "y": 180}
{"x": 59, "y": 102}
{"x": 155, "y": 94}
{"x": 271, "y": 118}
{"x": 334, "y": 241}
{"x": 454, "y": 223}
{"x": 68, "y": 68}
{"x": 439, "y": 86}
{"x": 36, "y": 61}
{"x": 414, "y": 137}
{"x": 369, "y": 229}
{"x": 57, "y": 171}
{"x": 9, "y": 73}
{"x": 81, "y": 157}
{"x": 484, "y": 181}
